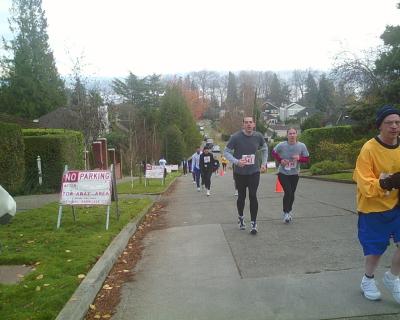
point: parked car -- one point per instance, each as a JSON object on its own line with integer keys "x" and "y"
{"x": 216, "y": 148}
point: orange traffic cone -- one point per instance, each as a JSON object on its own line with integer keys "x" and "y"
{"x": 221, "y": 173}
{"x": 278, "y": 186}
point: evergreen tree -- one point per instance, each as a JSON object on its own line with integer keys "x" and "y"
{"x": 30, "y": 83}
{"x": 175, "y": 111}
{"x": 311, "y": 92}
{"x": 388, "y": 64}
{"x": 132, "y": 89}
{"x": 275, "y": 95}
{"x": 232, "y": 100}
{"x": 325, "y": 98}
{"x": 174, "y": 145}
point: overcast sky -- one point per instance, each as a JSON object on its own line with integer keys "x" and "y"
{"x": 178, "y": 36}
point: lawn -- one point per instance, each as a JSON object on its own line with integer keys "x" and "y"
{"x": 153, "y": 186}
{"x": 347, "y": 176}
{"x": 61, "y": 257}
{"x": 341, "y": 176}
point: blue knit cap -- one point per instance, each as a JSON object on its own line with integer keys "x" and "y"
{"x": 383, "y": 112}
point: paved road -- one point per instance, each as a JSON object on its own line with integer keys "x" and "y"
{"x": 200, "y": 266}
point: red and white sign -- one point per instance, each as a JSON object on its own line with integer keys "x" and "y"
{"x": 86, "y": 188}
{"x": 171, "y": 167}
{"x": 154, "y": 172}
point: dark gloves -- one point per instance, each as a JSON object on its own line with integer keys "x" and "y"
{"x": 391, "y": 182}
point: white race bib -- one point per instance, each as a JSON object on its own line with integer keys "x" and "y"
{"x": 249, "y": 158}
{"x": 206, "y": 159}
{"x": 291, "y": 165}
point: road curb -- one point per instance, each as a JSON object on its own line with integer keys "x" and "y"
{"x": 77, "y": 306}
{"x": 326, "y": 179}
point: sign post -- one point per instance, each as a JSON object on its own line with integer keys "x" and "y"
{"x": 86, "y": 188}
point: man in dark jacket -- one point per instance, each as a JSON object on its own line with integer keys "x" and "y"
{"x": 206, "y": 167}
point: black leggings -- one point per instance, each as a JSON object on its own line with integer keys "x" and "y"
{"x": 251, "y": 182}
{"x": 289, "y": 185}
{"x": 206, "y": 179}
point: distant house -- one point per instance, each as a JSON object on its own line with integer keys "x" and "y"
{"x": 22, "y": 122}
{"x": 290, "y": 111}
{"x": 68, "y": 118}
{"x": 60, "y": 118}
{"x": 270, "y": 113}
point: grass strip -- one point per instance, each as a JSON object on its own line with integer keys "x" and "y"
{"x": 153, "y": 186}
{"x": 60, "y": 257}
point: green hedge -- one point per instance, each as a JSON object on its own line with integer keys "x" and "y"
{"x": 12, "y": 165}
{"x": 56, "y": 148}
{"x": 313, "y": 137}
{"x": 328, "y": 167}
{"x": 344, "y": 152}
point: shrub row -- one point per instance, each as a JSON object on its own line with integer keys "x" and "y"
{"x": 313, "y": 137}
{"x": 12, "y": 165}
{"x": 328, "y": 167}
{"x": 56, "y": 148}
{"x": 20, "y": 149}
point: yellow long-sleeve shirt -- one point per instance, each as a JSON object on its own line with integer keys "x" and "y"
{"x": 374, "y": 160}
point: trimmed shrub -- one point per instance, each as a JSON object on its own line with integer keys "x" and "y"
{"x": 12, "y": 165}
{"x": 343, "y": 152}
{"x": 313, "y": 137}
{"x": 56, "y": 148}
{"x": 328, "y": 167}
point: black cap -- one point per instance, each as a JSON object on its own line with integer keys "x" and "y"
{"x": 383, "y": 112}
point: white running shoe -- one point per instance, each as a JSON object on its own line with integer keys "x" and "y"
{"x": 208, "y": 192}
{"x": 198, "y": 189}
{"x": 369, "y": 289}
{"x": 236, "y": 193}
{"x": 393, "y": 285}
{"x": 287, "y": 217}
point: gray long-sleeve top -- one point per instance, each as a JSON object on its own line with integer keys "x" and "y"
{"x": 241, "y": 146}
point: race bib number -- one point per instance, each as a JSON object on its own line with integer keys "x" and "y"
{"x": 249, "y": 158}
{"x": 291, "y": 165}
{"x": 207, "y": 159}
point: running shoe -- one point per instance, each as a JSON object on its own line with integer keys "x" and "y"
{"x": 241, "y": 224}
{"x": 253, "y": 226}
{"x": 393, "y": 285}
{"x": 287, "y": 217}
{"x": 369, "y": 289}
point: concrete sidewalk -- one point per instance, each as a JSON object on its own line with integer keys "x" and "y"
{"x": 202, "y": 267}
